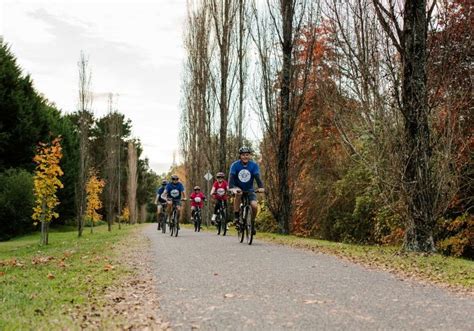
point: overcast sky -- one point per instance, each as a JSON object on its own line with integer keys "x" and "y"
{"x": 135, "y": 50}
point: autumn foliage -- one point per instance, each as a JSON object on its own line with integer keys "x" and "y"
{"x": 94, "y": 189}
{"x": 46, "y": 183}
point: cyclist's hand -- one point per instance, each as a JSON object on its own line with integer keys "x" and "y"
{"x": 261, "y": 190}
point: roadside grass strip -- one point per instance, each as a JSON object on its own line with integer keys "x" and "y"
{"x": 42, "y": 287}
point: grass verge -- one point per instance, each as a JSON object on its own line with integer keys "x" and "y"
{"x": 41, "y": 285}
{"x": 455, "y": 273}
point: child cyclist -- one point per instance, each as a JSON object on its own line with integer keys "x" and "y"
{"x": 197, "y": 200}
{"x": 219, "y": 193}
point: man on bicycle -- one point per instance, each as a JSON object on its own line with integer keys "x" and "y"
{"x": 174, "y": 193}
{"x": 219, "y": 193}
{"x": 197, "y": 200}
{"x": 243, "y": 172}
{"x": 159, "y": 201}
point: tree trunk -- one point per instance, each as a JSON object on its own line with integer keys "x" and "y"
{"x": 418, "y": 173}
{"x": 284, "y": 122}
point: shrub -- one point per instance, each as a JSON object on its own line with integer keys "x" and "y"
{"x": 460, "y": 236}
{"x": 16, "y": 203}
{"x": 264, "y": 220}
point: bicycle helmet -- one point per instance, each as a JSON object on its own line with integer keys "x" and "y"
{"x": 197, "y": 188}
{"x": 174, "y": 177}
{"x": 164, "y": 182}
{"x": 245, "y": 149}
{"x": 220, "y": 175}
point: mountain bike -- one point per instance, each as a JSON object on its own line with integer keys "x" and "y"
{"x": 161, "y": 219}
{"x": 197, "y": 219}
{"x": 174, "y": 220}
{"x": 221, "y": 218}
{"x": 246, "y": 226}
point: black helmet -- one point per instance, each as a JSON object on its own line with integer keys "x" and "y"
{"x": 164, "y": 182}
{"x": 174, "y": 177}
{"x": 245, "y": 149}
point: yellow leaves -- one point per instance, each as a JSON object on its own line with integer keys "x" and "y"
{"x": 125, "y": 214}
{"x": 94, "y": 188}
{"x": 51, "y": 276}
{"x": 46, "y": 181}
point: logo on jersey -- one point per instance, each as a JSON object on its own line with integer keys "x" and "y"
{"x": 197, "y": 199}
{"x": 220, "y": 191}
{"x": 244, "y": 175}
{"x": 174, "y": 193}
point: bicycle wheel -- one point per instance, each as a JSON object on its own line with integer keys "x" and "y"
{"x": 248, "y": 227}
{"x": 176, "y": 223}
{"x": 251, "y": 229}
{"x": 242, "y": 225}
{"x": 172, "y": 224}
{"x": 223, "y": 222}
{"x": 163, "y": 223}
{"x": 199, "y": 222}
{"x": 218, "y": 224}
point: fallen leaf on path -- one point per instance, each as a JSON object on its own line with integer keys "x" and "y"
{"x": 108, "y": 267}
{"x": 229, "y": 295}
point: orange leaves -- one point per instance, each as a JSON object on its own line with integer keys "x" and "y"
{"x": 41, "y": 260}
{"x": 108, "y": 267}
{"x": 46, "y": 181}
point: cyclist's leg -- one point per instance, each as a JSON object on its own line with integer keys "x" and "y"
{"x": 193, "y": 212}
{"x": 254, "y": 206}
{"x": 169, "y": 204}
{"x": 216, "y": 210}
{"x": 158, "y": 212}
{"x": 237, "y": 199}
{"x": 178, "y": 210}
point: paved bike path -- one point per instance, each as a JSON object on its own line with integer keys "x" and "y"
{"x": 210, "y": 282}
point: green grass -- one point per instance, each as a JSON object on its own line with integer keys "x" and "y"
{"x": 41, "y": 285}
{"x": 450, "y": 271}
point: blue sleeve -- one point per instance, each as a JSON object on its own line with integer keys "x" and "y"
{"x": 256, "y": 170}
{"x": 232, "y": 169}
{"x": 232, "y": 178}
{"x": 181, "y": 187}
{"x": 167, "y": 188}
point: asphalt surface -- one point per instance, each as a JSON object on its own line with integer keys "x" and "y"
{"x": 210, "y": 282}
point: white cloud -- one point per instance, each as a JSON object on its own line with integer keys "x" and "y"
{"x": 135, "y": 50}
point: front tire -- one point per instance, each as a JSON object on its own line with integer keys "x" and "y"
{"x": 223, "y": 223}
{"x": 242, "y": 226}
{"x": 249, "y": 227}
